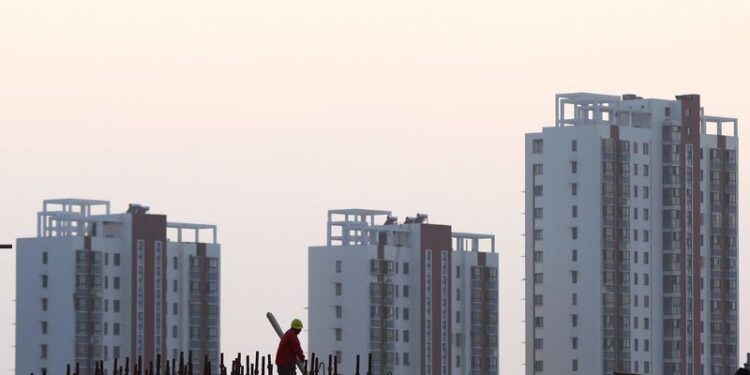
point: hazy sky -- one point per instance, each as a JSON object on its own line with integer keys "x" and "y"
{"x": 259, "y": 116}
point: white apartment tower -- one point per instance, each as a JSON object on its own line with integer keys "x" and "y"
{"x": 421, "y": 298}
{"x": 95, "y": 286}
{"x": 631, "y": 238}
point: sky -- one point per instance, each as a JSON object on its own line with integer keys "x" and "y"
{"x": 258, "y": 116}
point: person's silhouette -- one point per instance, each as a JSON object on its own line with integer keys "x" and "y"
{"x": 742, "y": 371}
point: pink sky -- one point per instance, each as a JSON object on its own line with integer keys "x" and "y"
{"x": 260, "y": 115}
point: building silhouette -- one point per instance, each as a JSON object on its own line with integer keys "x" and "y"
{"x": 421, "y": 298}
{"x": 631, "y": 238}
{"x": 95, "y": 286}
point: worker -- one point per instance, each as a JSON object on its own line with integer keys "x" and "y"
{"x": 290, "y": 352}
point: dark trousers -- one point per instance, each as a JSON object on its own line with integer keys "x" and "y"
{"x": 283, "y": 370}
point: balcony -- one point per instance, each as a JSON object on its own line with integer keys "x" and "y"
{"x": 670, "y": 158}
{"x": 671, "y": 179}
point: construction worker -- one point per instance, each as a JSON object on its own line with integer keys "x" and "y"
{"x": 290, "y": 352}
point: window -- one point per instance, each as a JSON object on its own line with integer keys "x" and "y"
{"x": 538, "y": 300}
{"x": 635, "y": 169}
{"x": 116, "y": 259}
{"x": 43, "y": 351}
{"x": 406, "y": 313}
{"x": 338, "y": 266}
{"x": 538, "y": 190}
{"x": 338, "y": 311}
{"x": 539, "y": 322}
{"x": 574, "y": 276}
{"x": 337, "y": 333}
{"x": 44, "y": 327}
{"x": 44, "y": 257}
{"x": 406, "y": 336}
{"x": 116, "y": 305}
{"x": 574, "y": 145}
{"x": 574, "y": 320}
{"x": 645, "y": 237}
{"x": 574, "y": 299}
{"x": 575, "y": 365}
{"x": 538, "y": 256}
{"x": 116, "y": 282}
{"x": 645, "y": 192}
{"x": 538, "y": 169}
{"x": 538, "y": 344}
{"x": 538, "y": 366}
{"x": 574, "y": 342}
{"x": 406, "y": 268}
{"x": 645, "y": 170}
{"x": 406, "y": 291}
{"x": 45, "y": 279}
{"x": 537, "y": 146}
{"x": 406, "y": 359}
{"x": 645, "y": 148}
{"x": 573, "y": 167}
{"x": 538, "y": 213}
{"x": 574, "y": 189}
{"x": 538, "y": 278}
{"x": 574, "y": 233}
{"x": 44, "y": 304}
{"x": 575, "y": 255}
{"x": 645, "y": 214}
{"x": 538, "y": 234}
{"x": 458, "y": 316}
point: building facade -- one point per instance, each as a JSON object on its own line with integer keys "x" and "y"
{"x": 418, "y": 296}
{"x": 631, "y": 238}
{"x": 95, "y": 286}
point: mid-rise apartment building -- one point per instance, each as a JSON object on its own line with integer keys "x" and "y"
{"x": 631, "y": 238}
{"x": 95, "y": 286}
{"x": 418, "y": 296}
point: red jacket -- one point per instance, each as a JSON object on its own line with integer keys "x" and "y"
{"x": 289, "y": 350}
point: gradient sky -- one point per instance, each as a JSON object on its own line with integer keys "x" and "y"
{"x": 259, "y": 116}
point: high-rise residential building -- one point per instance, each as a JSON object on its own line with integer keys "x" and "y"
{"x": 418, "y": 296}
{"x": 95, "y": 286}
{"x": 631, "y": 238}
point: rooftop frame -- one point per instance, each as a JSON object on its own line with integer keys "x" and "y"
{"x": 471, "y": 241}
{"x": 194, "y": 227}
